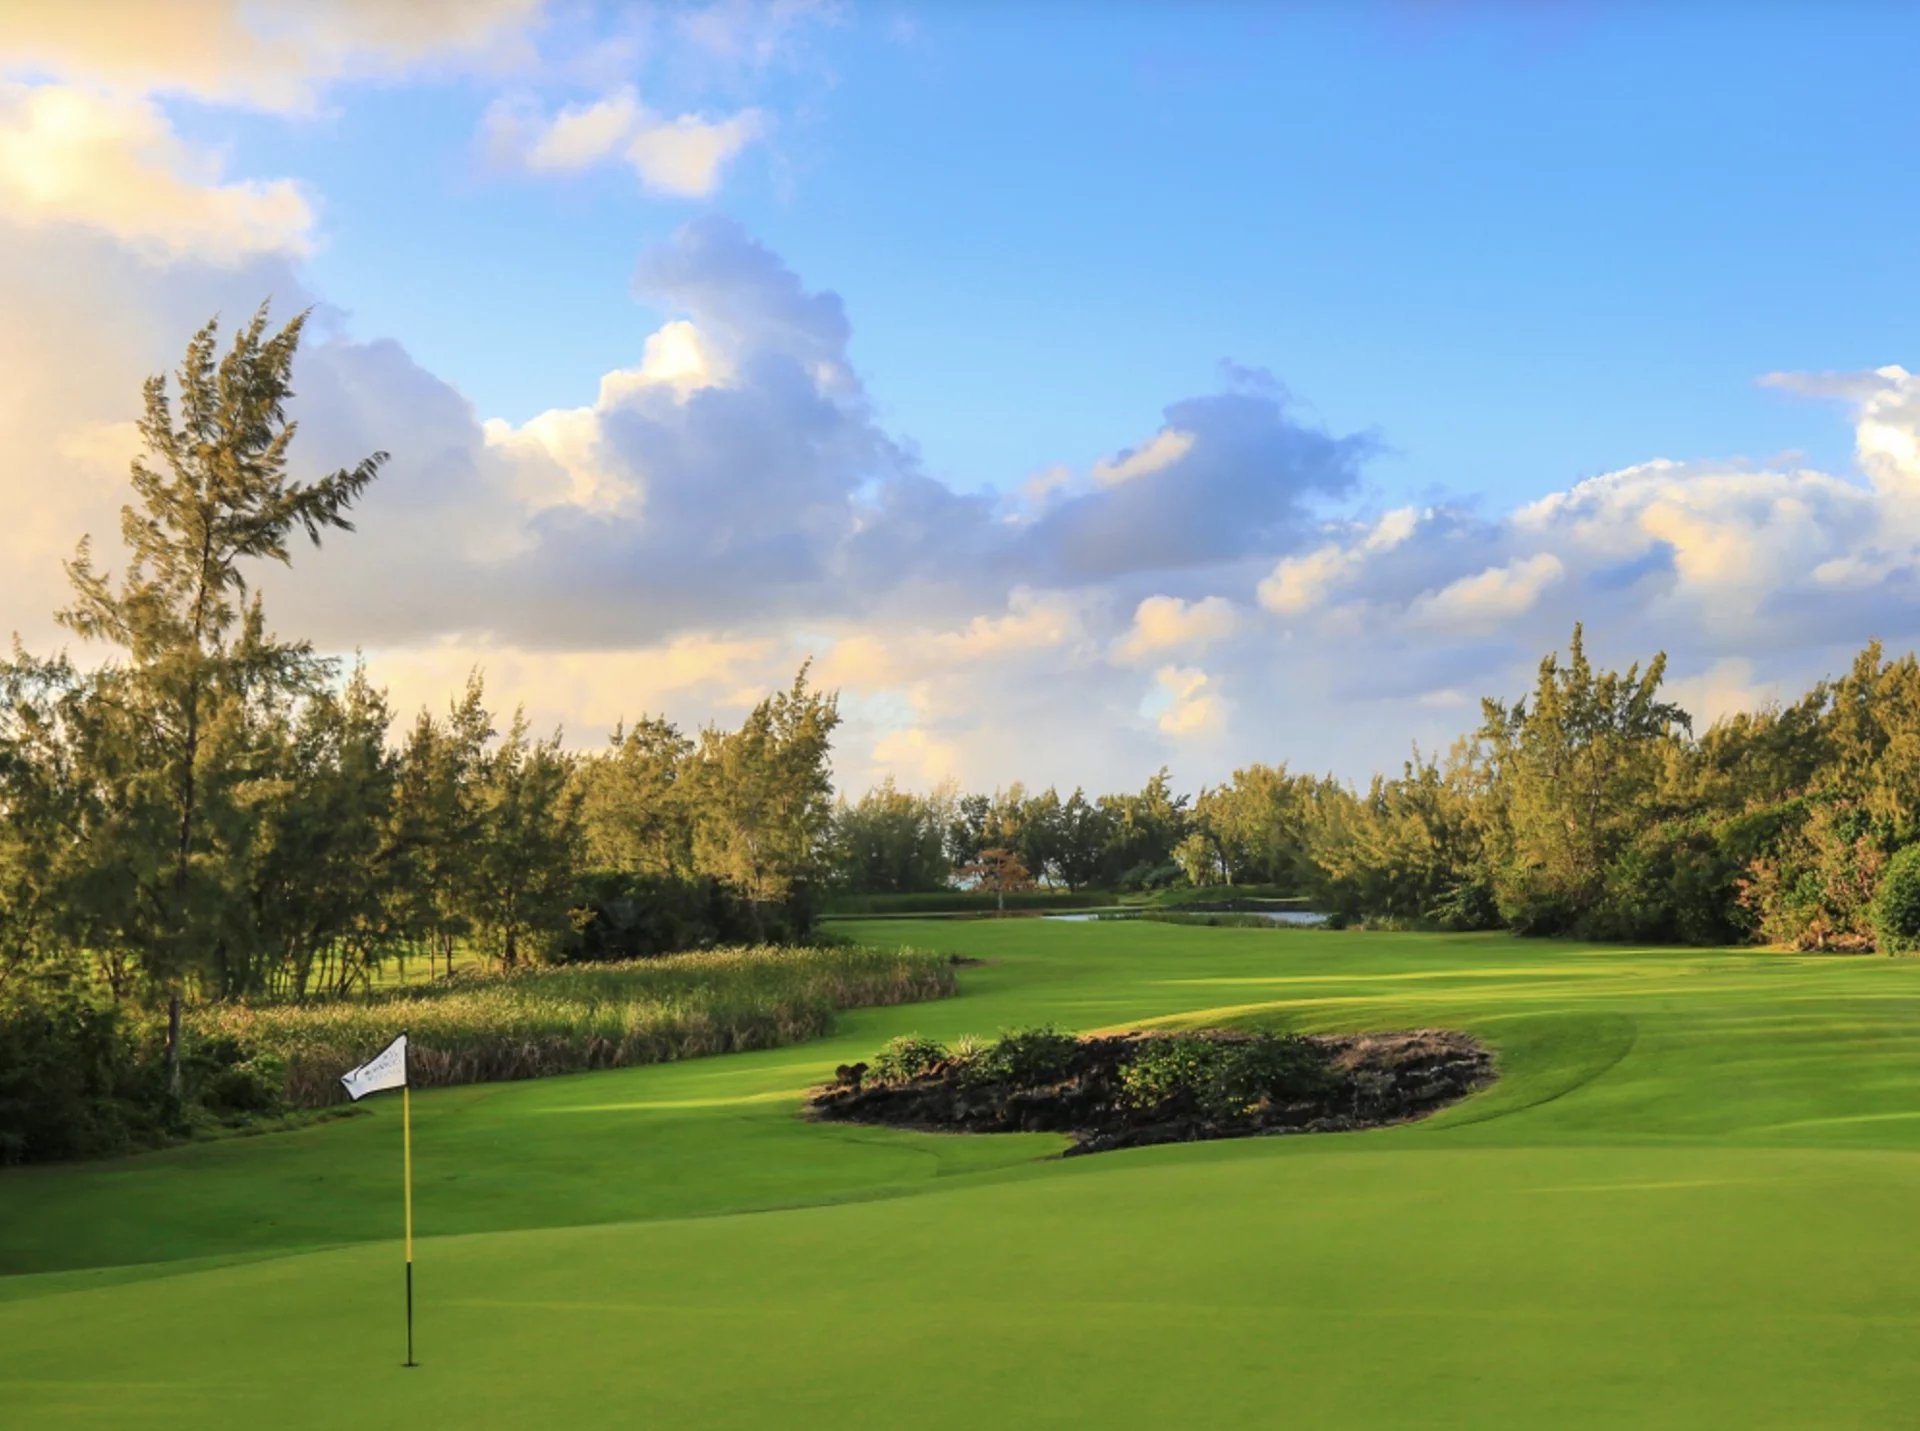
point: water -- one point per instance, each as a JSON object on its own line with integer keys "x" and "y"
{"x": 1305, "y": 918}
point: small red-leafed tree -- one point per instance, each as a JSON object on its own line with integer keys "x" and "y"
{"x": 1000, "y": 871}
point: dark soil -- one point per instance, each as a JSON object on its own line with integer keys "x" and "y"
{"x": 1361, "y": 1081}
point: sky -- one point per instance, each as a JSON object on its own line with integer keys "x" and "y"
{"x": 1083, "y": 388}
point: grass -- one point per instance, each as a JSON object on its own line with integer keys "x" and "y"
{"x": 1217, "y": 896}
{"x": 959, "y": 901}
{"x": 927, "y": 903}
{"x": 1687, "y": 1202}
{"x": 1208, "y": 919}
{"x": 483, "y": 1028}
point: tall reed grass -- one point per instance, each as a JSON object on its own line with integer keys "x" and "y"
{"x": 485, "y": 1028}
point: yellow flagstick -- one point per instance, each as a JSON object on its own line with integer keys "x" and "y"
{"x": 406, "y": 1156}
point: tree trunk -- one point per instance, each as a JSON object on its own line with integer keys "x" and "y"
{"x": 173, "y": 1044}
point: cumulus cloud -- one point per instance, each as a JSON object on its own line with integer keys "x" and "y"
{"x": 267, "y": 56}
{"x": 1162, "y": 450}
{"x": 1490, "y": 599}
{"x": 1242, "y": 477}
{"x": 1754, "y": 579}
{"x": 1166, "y": 623}
{"x": 684, "y": 156}
{"x": 1190, "y": 709}
{"x": 1300, "y": 583}
{"x": 115, "y": 164}
{"x": 85, "y": 142}
{"x": 728, "y": 504}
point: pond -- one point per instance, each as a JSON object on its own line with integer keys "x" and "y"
{"x": 1306, "y": 918}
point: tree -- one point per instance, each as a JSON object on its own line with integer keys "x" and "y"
{"x": 213, "y": 496}
{"x": 329, "y": 872}
{"x": 1084, "y": 833}
{"x": 1896, "y": 905}
{"x": 528, "y": 848}
{"x": 1000, "y": 871}
{"x": 1574, "y": 774}
{"x": 1256, "y": 825}
{"x": 1144, "y": 829}
{"x": 892, "y": 840}
{"x": 634, "y": 806}
{"x": 763, "y": 795}
{"x": 437, "y": 820}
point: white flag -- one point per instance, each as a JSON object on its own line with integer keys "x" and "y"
{"x": 386, "y": 1069}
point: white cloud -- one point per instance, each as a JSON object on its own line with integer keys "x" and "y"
{"x": 1489, "y": 599}
{"x": 1191, "y": 710}
{"x": 1044, "y": 483}
{"x": 728, "y": 504}
{"x": 914, "y": 758}
{"x": 565, "y": 456}
{"x": 1033, "y": 623}
{"x": 582, "y": 135}
{"x": 1727, "y": 686}
{"x": 1166, "y": 623}
{"x": 1162, "y": 450}
{"x": 1299, "y": 584}
{"x": 275, "y": 56}
{"x": 690, "y": 678}
{"x": 684, "y": 156}
{"x": 114, "y": 164}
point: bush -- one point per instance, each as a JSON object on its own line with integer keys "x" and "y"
{"x": 1151, "y": 876}
{"x": 225, "y": 1079}
{"x": 1815, "y": 887}
{"x": 1467, "y": 904}
{"x": 907, "y": 1058}
{"x": 1896, "y": 904}
{"x": 1221, "y": 1079}
{"x": 966, "y": 1049}
{"x": 71, "y": 1084}
{"x": 1028, "y": 1058}
{"x": 620, "y": 915}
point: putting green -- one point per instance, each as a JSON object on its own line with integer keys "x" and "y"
{"x": 1689, "y": 1201}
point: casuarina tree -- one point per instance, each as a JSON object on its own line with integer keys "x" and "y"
{"x": 213, "y": 497}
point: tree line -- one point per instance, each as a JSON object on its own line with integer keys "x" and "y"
{"x": 1591, "y": 807}
{"x": 210, "y": 811}
{"x": 204, "y": 810}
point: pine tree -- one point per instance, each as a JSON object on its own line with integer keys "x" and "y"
{"x": 213, "y": 496}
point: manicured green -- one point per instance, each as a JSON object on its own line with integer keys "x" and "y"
{"x": 1689, "y": 1201}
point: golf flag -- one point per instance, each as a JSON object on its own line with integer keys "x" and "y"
{"x": 386, "y": 1069}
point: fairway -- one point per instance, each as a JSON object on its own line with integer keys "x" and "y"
{"x": 1689, "y": 1200}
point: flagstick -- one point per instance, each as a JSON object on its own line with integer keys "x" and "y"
{"x": 406, "y": 1144}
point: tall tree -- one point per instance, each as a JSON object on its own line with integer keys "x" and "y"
{"x": 529, "y": 844}
{"x": 634, "y": 809}
{"x": 763, "y": 795}
{"x": 214, "y": 496}
{"x": 1574, "y": 771}
{"x": 892, "y": 840}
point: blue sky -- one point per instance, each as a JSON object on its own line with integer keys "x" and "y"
{"x": 1484, "y": 252}
{"x": 1524, "y": 246}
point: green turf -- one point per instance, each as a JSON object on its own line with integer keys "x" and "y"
{"x": 1689, "y": 1201}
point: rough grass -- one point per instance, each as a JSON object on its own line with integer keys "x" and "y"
{"x": 488, "y": 1028}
